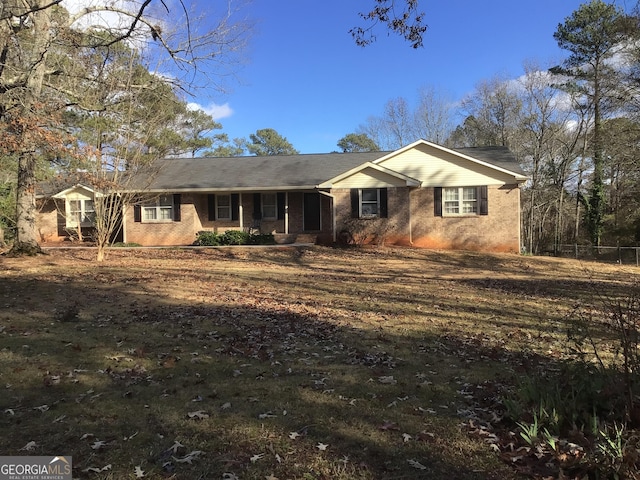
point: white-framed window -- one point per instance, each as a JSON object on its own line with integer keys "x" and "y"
{"x": 80, "y": 212}
{"x": 369, "y": 202}
{"x": 159, "y": 209}
{"x": 269, "y": 206}
{"x": 460, "y": 200}
{"x": 223, "y": 207}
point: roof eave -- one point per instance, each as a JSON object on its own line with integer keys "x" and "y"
{"x": 287, "y": 188}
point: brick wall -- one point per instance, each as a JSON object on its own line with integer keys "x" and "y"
{"x": 497, "y": 231}
{"x": 411, "y": 221}
{"x": 195, "y": 217}
{"x": 47, "y": 221}
{"x": 394, "y": 229}
{"x": 165, "y": 233}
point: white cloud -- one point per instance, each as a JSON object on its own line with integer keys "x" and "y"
{"x": 102, "y": 18}
{"x": 216, "y": 111}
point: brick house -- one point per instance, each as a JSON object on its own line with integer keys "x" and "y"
{"x": 423, "y": 195}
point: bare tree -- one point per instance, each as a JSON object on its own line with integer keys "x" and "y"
{"x": 433, "y": 116}
{"x": 492, "y": 112}
{"x": 550, "y": 132}
{"x": 399, "y": 16}
{"x": 131, "y": 129}
{"x": 39, "y": 43}
{"x": 401, "y": 123}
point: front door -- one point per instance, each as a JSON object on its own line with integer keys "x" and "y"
{"x": 311, "y": 216}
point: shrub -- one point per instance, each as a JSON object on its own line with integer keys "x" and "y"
{"x": 207, "y": 239}
{"x": 363, "y": 231}
{"x": 234, "y": 237}
{"x": 262, "y": 239}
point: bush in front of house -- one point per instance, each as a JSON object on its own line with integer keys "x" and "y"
{"x": 207, "y": 239}
{"x": 232, "y": 237}
{"x": 235, "y": 237}
{"x": 261, "y": 239}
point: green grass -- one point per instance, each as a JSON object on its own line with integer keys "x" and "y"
{"x": 272, "y": 363}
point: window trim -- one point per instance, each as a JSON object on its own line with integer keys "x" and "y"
{"x": 382, "y": 203}
{"x": 481, "y": 206}
{"x": 369, "y": 202}
{"x": 229, "y": 207}
{"x": 156, "y": 206}
{"x": 87, "y": 216}
{"x": 264, "y": 204}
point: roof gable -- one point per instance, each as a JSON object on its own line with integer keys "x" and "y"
{"x": 499, "y": 159}
{"x": 395, "y": 178}
{"x": 78, "y": 189}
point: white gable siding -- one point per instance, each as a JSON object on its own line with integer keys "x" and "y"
{"x": 370, "y": 178}
{"x": 79, "y": 193}
{"x": 436, "y": 168}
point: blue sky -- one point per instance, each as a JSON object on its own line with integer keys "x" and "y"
{"x": 306, "y": 78}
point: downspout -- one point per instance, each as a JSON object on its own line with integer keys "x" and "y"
{"x": 333, "y": 214}
{"x": 410, "y": 221}
{"x": 519, "y": 222}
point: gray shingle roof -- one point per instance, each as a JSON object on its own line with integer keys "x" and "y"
{"x": 268, "y": 172}
{"x": 286, "y": 171}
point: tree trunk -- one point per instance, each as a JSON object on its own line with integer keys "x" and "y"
{"x": 101, "y": 253}
{"x": 26, "y": 242}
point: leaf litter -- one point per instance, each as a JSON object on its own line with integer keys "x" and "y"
{"x": 324, "y": 355}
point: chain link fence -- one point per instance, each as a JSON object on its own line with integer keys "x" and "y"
{"x": 620, "y": 255}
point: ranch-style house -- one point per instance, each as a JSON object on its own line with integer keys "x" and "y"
{"x": 422, "y": 195}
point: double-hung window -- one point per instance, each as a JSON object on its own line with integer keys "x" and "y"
{"x": 460, "y": 200}
{"x": 452, "y": 201}
{"x": 223, "y": 207}
{"x": 160, "y": 209}
{"x": 81, "y": 212}
{"x": 269, "y": 206}
{"x": 369, "y": 202}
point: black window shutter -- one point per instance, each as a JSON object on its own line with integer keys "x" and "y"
{"x": 176, "y": 207}
{"x": 211, "y": 205}
{"x": 137, "y": 213}
{"x": 355, "y": 203}
{"x": 483, "y": 195}
{"x": 281, "y": 204}
{"x": 235, "y": 206}
{"x": 384, "y": 212}
{"x": 437, "y": 201}
{"x": 257, "y": 207}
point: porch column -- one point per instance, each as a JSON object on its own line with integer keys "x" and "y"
{"x": 286, "y": 212}
{"x": 240, "y": 211}
{"x": 124, "y": 223}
